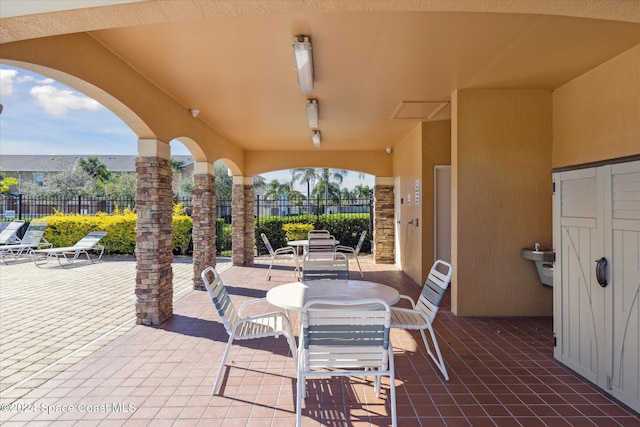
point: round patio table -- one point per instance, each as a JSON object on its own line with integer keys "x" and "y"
{"x": 293, "y": 296}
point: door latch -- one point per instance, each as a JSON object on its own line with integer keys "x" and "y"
{"x": 601, "y": 271}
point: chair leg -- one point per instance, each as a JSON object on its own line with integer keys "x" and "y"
{"x": 299, "y": 392}
{"x": 269, "y": 270}
{"x": 358, "y": 262}
{"x": 439, "y": 361}
{"x": 296, "y": 272}
{"x": 392, "y": 388}
{"x": 222, "y": 363}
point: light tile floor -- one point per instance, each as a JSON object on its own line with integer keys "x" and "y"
{"x": 502, "y": 370}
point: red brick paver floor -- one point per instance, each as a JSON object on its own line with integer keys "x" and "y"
{"x": 502, "y": 370}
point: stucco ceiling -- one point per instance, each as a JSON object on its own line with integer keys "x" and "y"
{"x": 371, "y": 65}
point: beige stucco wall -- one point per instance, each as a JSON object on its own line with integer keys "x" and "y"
{"x": 427, "y": 145}
{"x": 597, "y": 116}
{"x": 407, "y": 168}
{"x": 436, "y": 150}
{"x": 501, "y": 161}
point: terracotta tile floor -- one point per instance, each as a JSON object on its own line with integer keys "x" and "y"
{"x": 502, "y": 374}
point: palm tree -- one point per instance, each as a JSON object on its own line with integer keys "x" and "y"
{"x": 273, "y": 190}
{"x": 330, "y": 191}
{"x": 95, "y": 168}
{"x": 327, "y": 175}
{"x": 362, "y": 191}
{"x": 308, "y": 175}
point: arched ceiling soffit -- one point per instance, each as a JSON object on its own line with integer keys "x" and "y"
{"x": 90, "y": 68}
{"x": 235, "y": 170}
{"x": 24, "y": 27}
{"x": 193, "y": 147}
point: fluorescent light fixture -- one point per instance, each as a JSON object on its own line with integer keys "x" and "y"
{"x": 304, "y": 64}
{"x": 315, "y": 137}
{"x": 312, "y": 113}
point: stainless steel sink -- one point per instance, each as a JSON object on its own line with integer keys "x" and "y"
{"x": 543, "y": 254}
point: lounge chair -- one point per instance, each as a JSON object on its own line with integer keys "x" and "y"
{"x": 89, "y": 243}
{"x": 33, "y": 239}
{"x": 9, "y": 234}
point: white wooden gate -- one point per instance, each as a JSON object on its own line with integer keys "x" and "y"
{"x": 597, "y": 324}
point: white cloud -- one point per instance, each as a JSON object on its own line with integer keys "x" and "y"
{"x": 57, "y": 102}
{"x": 7, "y": 81}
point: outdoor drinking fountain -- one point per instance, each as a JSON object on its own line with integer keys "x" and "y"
{"x": 543, "y": 258}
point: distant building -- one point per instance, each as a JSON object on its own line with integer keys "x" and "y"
{"x": 35, "y": 168}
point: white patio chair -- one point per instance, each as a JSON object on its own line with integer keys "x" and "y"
{"x": 352, "y": 253}
{"x": 325, "y": 243}
{"x": 9, "y": 234}
{"x": 33, "y": 239}
{"x": 422, "y": 313}
{"x": 325, "y": 265}
{"x": 287, "y": 252}
{"x": 345, "y": 338}
{"x": 318, "y": 233}
{"x": 70, "y": 254}
{"x": 272, "y": 324}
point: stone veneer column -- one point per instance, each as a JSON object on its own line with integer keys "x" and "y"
{"x": 154, "y": 234}
{"x": 237, "y": 222}
{"x": 383, "y": 229}
{"x": 249, "y": 223}
{"x": 204, "y": 221}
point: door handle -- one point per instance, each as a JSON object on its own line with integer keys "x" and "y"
{"x": 601, "y": 271}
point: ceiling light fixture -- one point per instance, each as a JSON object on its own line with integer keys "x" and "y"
{"x": 304, "y": 64}
{"x": 312, "y": 113}
{"x": 315, "y": 137}
{"x": 194, "y": 112}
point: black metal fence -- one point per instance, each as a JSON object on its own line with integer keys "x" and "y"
{"x": 25, "y": 207}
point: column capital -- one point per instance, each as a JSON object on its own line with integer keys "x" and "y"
{"x": 154, "y": 148}
{"x": 203, "y": 168}
{"x": 384, "y": 180}
{"x": 242, "y": 180}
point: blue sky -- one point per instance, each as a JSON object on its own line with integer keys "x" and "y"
{"x": 42, "y": 116}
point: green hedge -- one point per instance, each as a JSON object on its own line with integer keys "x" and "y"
{"x": 345, "y": 228}
{"x": 65, "y": 230}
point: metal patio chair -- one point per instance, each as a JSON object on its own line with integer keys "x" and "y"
{"x": 286, "y": 252}
{"x": 272, "y": 324}
{"x": 422, "y": 313}
{"x": 345, "y": 338}
{"x": 327, "y": 265}
{"x": 352, "y": 253}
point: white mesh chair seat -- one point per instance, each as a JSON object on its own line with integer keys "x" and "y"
{"x": 352, "y": 253}
{"x": 405, "y": 318}
{"x": 70, "y": 254}
{"x": 345, "y": 338}
{"x": 422, "y": 313}
{"x": 272, "y": 324}
{"x": 288, "y": 253}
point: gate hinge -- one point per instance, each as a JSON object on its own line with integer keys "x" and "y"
{"x": 555, "y": 340}
{"x": 609, "y": 382}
